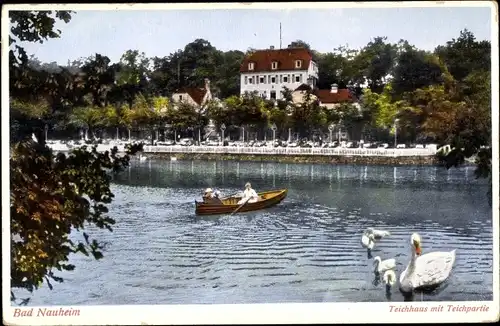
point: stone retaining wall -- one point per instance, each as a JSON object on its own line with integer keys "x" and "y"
{"x": 361, "y": 160}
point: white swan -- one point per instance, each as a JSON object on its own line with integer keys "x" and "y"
{"x": 378, "y": 234}
{"x": 427, "y": 270}
{"x": 389, "y": 278}
{"x": 367, "y": 241}
{"x": 380, "y": 266}
{"x": 142, "y": 158}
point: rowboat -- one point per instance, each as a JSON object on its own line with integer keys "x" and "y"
{"x": 230, "y": 204}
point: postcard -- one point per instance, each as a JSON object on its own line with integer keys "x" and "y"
{"x": 250, "y": 163}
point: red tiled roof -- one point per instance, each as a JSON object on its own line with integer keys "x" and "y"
{"x": 197, "y": 94}
{"x": 263, "y": 60}
{"x": 327, "y": 97}
{"x": 303, "y": 87}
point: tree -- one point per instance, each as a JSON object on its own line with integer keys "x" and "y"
{"x": 132, "y": 75}
{"x": 227, "y": 81}
{"x": 25, "y": 116}
{"x": 50, "y": 196}
{"x": 332, "y": 70}
{"x": 184, "y": 116}
{"x": 308, "y": 116}
{"x": 299, "y": 44}
{"x": 118, "y": 116}
{"x": 351, "y": 116}
{"x": 133, "y": 68}
{"x": 88, "y": 118}
{"x": 32, "y": 26}
{"x": 199, "y": 60}
{"x": 99, "y": 78}
{"x": 374, "y": 63}
{"x": 415, "y": 69}
{"x": 166, "y": 75}
{"x": 465, "y": 55}
{"x": 383, "y": 110}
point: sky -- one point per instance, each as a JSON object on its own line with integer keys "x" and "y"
{"x": 161, "y": 32}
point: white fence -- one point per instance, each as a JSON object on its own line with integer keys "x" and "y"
{"x": 271, "y": 150}
{"x": 290, "y": 151}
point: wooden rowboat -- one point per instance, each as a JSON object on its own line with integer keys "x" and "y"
{"x": 230, "y": 204}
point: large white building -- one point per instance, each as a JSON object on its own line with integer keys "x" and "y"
{"x": 269, "y": 71}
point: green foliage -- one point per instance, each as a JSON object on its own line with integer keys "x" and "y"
{"x": 133, "y": 68}
{"x": 374, "y": 62}
{"x": 415, "y": 69}
{"x": 383, "y": 108}
{"x": 464, "y": 55}
{"x": 334, "y": 68}
{"x": 299, "y": 44}
{"x": 185, "y": 116}
{"x": 33, "y": 26}
{"x": 308, "y": 116}
{"x": 88, "y": 117}
{"x": 52, "y": 196}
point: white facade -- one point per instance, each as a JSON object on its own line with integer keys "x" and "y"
{"x": 269, "y": 84}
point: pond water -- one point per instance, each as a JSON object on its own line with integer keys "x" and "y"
{"x": 306, "y": 249}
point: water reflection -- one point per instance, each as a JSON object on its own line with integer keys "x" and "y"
{"x": 307, "y": 249}
{"x": 363, "y": 174}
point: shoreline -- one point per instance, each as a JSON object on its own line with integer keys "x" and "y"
{"x": 315, "y": 159}
{"x": 338, "y": 156}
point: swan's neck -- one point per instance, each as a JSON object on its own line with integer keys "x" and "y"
{"x": 411, "y": 265}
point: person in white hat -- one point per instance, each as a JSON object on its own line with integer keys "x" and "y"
{"x": 211, "y": 196}
{"x": 249, "y": 195}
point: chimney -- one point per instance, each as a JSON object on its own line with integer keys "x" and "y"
{"x": 334, "y": 89}
{"x": 271, "y": 47}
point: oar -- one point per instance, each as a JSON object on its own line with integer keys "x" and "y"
{"x": 231, "y": 195}
{"x": 243, "y": 204}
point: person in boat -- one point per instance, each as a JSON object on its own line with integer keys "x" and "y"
{"x": 211, "y": 197}
{"x": 249, "y": 195}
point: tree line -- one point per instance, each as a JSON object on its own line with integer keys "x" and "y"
{"x": 442, "y": 96}
{"x": 397, "y": 86}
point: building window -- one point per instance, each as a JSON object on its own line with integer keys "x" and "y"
{"x": 250, "y": 80}
{"x": 298, "y": 78}
{"x": 262, "y": 79}
{"x": 250, "y": 66}
{"x": 246, "y": 80}
{"x": 257, "y": 80}
{"x": 274, "y": 65}
{"x": 281, "y": 78}
{"x": 273, "y": 79}
{"x": 180, "y": 97}
{"x": 293, "y": 78}
{"x": 298, "y": 63}
{"x": 273, "y": 95}
{"x": 285, "y": 79}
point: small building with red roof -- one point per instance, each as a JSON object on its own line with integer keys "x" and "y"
{"x": 195, "y": 96}
{"x": 329, "y": 98}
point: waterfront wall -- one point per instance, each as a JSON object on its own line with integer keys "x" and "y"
{"x": 319, "y": 159}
